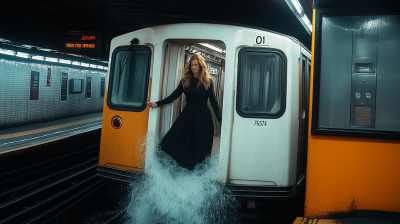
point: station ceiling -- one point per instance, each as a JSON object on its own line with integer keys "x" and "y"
{"x": 36, "y": 21}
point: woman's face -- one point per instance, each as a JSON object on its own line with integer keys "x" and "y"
{"x": 194, "y": 66}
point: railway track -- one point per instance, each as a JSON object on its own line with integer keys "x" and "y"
{"x": 41, "y": 184}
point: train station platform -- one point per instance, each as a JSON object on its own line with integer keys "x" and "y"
{"x": 354, "y": 220}
{"x": 22, "y": 138}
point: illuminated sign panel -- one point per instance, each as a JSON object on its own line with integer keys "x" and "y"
{"x": 79, "y": 45}
{"x": 81, "y": 41}
{"x": 88, "y": 38}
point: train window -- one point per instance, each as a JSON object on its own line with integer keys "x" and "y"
{"x": 129, "y": 78}
{"x": 261, "y": 83}
{"x": 359, "y": 78}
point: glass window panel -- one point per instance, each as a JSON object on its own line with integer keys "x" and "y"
{"x": 359, "y": 73}
{"x": 260, "y": 89}
{"x": 129, "y": 86}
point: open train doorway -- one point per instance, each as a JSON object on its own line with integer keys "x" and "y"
{"x": 176, "y": 55}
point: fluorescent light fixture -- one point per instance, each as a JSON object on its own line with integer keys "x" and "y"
{"x": 7, "y": 52}
{"x": 4, "y": 40}
{"x": 76, "y": 63}
{"x": 105, "y": 68}
{"x": 306, "y": 21}
{"x": 298, "y": 11}
{"x": 85, "y": 64}
{"x": 51, "y": 59}
{"x": 44, "y": 49}
{"x": 297, "y": 5}
{"x": 38, "y": 57}
{"x": 26, "y": 46}
{"x": 65, "y": 61}
{"x": 22, "y": 55}
{"x": 212, "y": 47}
{"x": 93, "y": 66}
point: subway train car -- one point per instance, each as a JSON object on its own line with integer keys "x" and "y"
{"x": 261, "y": 80}
{"x": 353, "y": 163}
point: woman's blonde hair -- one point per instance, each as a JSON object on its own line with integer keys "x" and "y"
{"x": 204, "y": 76}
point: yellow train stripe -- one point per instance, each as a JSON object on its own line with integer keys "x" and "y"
{"x": 18, "y": 134}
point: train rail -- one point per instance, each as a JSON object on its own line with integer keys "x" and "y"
{"x": 42, "y": 184}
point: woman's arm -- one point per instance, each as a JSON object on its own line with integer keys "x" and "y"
{"x": 214, "y": 104}
{"x": 177, "y": 92}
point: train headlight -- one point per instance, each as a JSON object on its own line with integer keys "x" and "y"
{"x": 116, "y": 122}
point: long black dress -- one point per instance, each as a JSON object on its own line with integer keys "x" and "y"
{"x": 190, "y": 138}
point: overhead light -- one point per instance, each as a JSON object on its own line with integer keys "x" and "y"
{"x": 105, "y": 68}
{"x": 4, "y": 40}
{"x": 7, "y": 52}
{"x": 298, "y": 11}
{"x": 212, "y": 47}
{"x": 65, "y": 61}
{"x": 76, "y": 63}
{"x": 26, "y": 46}
{"x": 44, "y": 49}
{"x": 297, "y": 5}
{"x": 51, "y": 59}
{"x": 93, "y": 66}
{"x": 85, "y": 64}
{"x": 22, "y": 55}
{"x": 306, "y": 21}
{"x": 38, "y": 57}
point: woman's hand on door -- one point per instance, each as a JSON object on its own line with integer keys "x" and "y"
{"x": 151, "y": 104}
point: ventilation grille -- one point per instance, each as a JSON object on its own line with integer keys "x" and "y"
{"x": 362, "y": 115}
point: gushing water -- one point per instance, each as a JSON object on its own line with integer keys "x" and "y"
{"x": 169, "y": 193}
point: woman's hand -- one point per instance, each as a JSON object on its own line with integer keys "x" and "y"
{"x": 151, "y": 104}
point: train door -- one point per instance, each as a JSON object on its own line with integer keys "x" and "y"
{"x": 176, "y": 57}
{"x": 259, "y": 135}
{"x": 304, "y": 96}
{"x": 125, "y": 113}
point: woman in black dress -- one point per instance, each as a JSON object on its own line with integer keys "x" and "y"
{"x": 190, "y": 138}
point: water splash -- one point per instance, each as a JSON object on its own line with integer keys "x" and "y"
{"x": 169, "y": 193}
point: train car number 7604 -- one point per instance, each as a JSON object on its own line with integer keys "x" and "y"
{"x": 260, "y": 123}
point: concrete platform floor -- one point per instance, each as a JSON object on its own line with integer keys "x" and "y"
{"x": 13, "y": 140}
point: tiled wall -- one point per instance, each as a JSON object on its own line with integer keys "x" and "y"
{"x": 16, "y": 108}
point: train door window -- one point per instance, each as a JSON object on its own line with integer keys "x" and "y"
{"x": 358, "y": 88}
{"x": 129, "y": 78}
{"x": 261, "y": 83}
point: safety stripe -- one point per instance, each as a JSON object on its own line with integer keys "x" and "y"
{"x": 18, "y": 134}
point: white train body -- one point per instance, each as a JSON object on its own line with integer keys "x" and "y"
{"x": 257, "y": 154}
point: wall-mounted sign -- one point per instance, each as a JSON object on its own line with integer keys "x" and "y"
{"x": 48, "y": 75}
{"x": 34, "y": 85}
{"x": 88, "y": 86}
{"x": 76, "y": 85}
{"x": 102, "y": 86}
{"x": 64, "y": 86}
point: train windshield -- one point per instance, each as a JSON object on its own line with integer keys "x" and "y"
{"x": 129, "y": 78}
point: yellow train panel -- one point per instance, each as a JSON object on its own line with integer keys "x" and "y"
{"x": 346, "y": 174}
{"x": 124, "y": 148}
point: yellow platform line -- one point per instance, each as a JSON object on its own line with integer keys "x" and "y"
{"x": 302, "y": 220}
{"x": 18, "y": 134}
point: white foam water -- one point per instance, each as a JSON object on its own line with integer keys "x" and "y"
{"x": 169, "y": 193}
